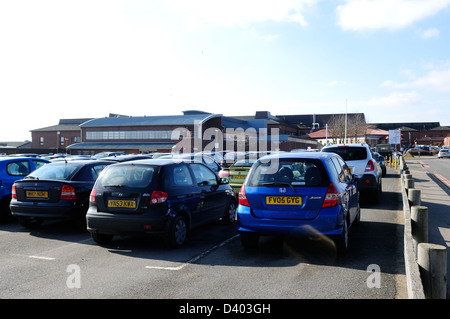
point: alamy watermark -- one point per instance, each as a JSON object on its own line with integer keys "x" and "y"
{"x": 254, "y": 142}
{"x": 74, "y": 279}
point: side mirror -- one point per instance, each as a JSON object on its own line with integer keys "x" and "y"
{"x": 224, "y": 180}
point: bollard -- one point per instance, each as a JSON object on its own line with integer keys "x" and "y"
{"x": 432, "y": 260}
{"x": 419, "y": 225}
{"x": 414, "y": 197}
{"x": 409, "y": 184}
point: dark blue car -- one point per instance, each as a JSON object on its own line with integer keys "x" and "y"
{"x": 58, "y": 190}
{"x": 162, "y": 197}
{"x": 11, "y": 170}
{"x": 298, "y": 194}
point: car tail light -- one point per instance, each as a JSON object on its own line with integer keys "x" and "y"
{"x": 243, "y": 197}
{"x": 331, "y": 197}
{"x": 13, "y": 192}
{"x": 68, "y": 192}
{"x": 92, "y": 196}
{"x": 370, "y": 166}
{"x": 158, "y": 197}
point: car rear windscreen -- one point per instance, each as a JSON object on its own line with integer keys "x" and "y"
{"x": 348, "y": 153}
{"x": 295, "y": 172}
{"x": 132, "y": 176}
{"x": 59, "y": 171}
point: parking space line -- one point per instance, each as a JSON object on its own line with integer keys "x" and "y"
{"x": 196, "y": 258}
{"x": 42, "y": 257}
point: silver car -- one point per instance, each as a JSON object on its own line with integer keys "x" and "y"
{"x": 445, "y": 152}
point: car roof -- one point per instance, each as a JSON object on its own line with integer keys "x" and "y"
{"x": 153, "y": 161}
{"x": 81, "y": 162}
{"x": 305, "y": 155}
{"x": 348, "y": 144}
{"x": 7, "y": 158}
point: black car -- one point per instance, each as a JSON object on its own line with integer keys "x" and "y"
{"x": 164, "y": 197}
{"x": 57, "y": 190}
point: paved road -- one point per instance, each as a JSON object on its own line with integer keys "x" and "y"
{"x": 55, "y": 259}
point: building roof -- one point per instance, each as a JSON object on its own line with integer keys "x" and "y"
{"x": 54, "y": 128}
{"x": 189, "y": 118}
{"x": 120, "y": 145}
{"x": 320, "y": 134}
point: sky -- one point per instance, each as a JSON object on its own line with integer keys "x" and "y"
{"x": 60, "y": 59}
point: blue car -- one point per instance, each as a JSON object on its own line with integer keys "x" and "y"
{"x": 298, "y": 194}
{"x": 11, "y": 170}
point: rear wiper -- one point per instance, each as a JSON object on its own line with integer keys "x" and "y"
{"x": 280, "y": 184}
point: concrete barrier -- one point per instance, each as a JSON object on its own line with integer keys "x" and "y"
{"x": 425, "y": 264}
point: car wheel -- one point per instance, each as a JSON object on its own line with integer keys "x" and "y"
{"x": 102, "y": 239}
{"x": 342, "y": 241}
{"x": 230, "y": 213}
{"x": 177, "y": 232}
{"x": 29, "y": 222}
{"x": 249, "y": 240}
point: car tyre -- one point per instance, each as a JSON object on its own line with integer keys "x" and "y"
{"x": 177, "y": 233}
{"x": 230, "y": 213}
{"x": 29, "y": 222}
{"x": 342, "y": 241}
{"x": 102, "y": 239}
{"x": 249, "y": 240}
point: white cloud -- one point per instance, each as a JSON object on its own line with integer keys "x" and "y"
{"x": 395, "y": 99}
{"x": 239, "y": 13}
{"x": 436, "y": 80}
{"x": 385, "y": 14}
{"x": 430, "y": 33}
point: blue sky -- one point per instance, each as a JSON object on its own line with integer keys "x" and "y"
{"x": 87, "y": 58}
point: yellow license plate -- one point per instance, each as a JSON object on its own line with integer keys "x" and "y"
{"x": 120, "y": 203}
{"x": 37, "y": 194}
{"x": 237, "y": 176}
{"x": 283, "y": 200}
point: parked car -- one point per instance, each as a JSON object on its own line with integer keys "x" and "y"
{"x": 11, "y": 170}
{"x": 237, "y": 173}
{"x": 381, "y": 161}
{"x": 199, "y": 158}
{"x": 127, "y": 157}
{"x": 363, "y": 166}
{"x": 164, "y": 197}
{"x": 306, "y": 194}
{"x": 444, "y": 152}
{"x": 102, "y": 155}
{"x": 58, "y": 190}
{"x": 384, "y": 149}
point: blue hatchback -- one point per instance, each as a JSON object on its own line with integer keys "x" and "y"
{"x": 298, "y": 194}
{"x": 11, "y": 170}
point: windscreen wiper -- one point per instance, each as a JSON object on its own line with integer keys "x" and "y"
{"x": 280, "y": 184}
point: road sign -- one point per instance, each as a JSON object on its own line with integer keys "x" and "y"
{"x": 394, "y": 137}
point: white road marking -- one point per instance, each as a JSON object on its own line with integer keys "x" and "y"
{"x": 196, "y": 258}
{"x": 42, "y": 257}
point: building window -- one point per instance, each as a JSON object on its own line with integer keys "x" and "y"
{"x": 131, "y": 135}
{"x": 41, "y": 140}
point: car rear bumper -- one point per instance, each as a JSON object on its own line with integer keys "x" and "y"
{"x": 123, "y": 224}
{"x": 367, "y": 183}
{"x": 60, "y": 210}
{"x": 330, "y": 221}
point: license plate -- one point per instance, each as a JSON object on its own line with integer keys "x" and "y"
{"x": 237, "y": 176}
{"x": 37, "y": 194}
{"x": 120, "y": 203}
{"x": 283, "y": 200}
